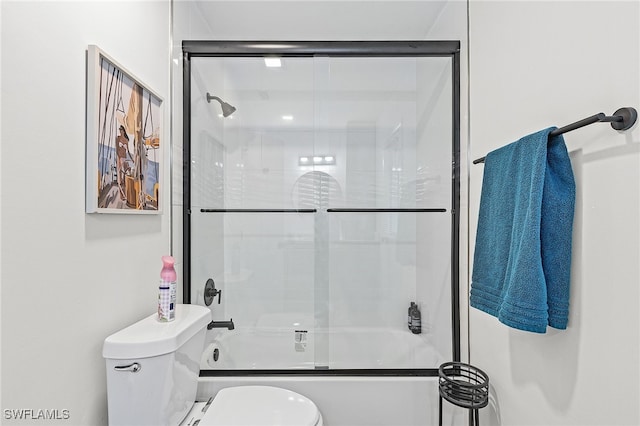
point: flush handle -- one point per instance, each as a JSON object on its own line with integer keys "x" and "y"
{"x": 133, "y": 368}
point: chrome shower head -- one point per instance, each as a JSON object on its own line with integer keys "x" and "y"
{"x": 227, "y": 109}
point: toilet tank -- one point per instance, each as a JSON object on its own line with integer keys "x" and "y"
{"x": 153, "y": 368}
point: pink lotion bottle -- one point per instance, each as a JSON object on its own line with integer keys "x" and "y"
{"x": 167, "y": 290}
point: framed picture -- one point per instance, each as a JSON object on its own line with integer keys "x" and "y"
{"x": 124, "y": 140}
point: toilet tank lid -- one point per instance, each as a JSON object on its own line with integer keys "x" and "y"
{"x": 149, "y": 337}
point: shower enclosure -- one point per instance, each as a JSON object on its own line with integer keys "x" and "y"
{"x": 321, "y": 197}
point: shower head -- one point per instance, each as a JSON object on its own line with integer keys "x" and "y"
{"x": 227, "y": 109}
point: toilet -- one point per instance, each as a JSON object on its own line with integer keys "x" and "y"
{"x": 152, "y": 379}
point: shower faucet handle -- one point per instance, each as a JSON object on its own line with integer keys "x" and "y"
{"x": 210, "y": 292}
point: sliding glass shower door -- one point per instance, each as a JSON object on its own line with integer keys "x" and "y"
{"x": 321, "y": 207}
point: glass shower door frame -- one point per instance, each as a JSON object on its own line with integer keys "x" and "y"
{"x": 447, "y": 49}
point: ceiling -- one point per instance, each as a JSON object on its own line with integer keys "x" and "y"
{"x": 318, "y": 20}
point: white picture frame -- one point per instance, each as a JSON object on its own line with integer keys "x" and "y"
{"x": 124, "y": 141}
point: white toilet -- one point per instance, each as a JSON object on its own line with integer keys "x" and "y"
{"x": 152, "y": 378}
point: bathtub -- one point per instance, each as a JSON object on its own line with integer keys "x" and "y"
{"x": 346, "y": 348}
{"x": 343, "y": 400}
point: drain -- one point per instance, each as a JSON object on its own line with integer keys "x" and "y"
{"x": 216, "y": 354}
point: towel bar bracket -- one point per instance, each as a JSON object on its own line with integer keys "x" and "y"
{"x": 629, "y": 116}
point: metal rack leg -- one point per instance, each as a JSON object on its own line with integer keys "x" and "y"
{"x": 476, "y": 419}
{"x": 440, "y": 412}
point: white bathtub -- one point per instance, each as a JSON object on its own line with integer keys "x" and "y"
{"x": 347, "y": 348}
{"x": 342, "y": 400}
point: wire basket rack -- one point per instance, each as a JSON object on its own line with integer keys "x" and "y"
{"x": 465, "y": 386}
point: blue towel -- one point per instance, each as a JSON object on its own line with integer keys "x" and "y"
{"x": 522, "y": 259}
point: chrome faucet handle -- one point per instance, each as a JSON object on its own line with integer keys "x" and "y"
{"x": 210, "y": 292}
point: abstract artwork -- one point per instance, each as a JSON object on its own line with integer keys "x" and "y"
{"x": 124, "y": 140}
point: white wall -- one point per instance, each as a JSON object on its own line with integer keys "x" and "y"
{"x": 69, "y": 279}
{"x": 188, "y": 23}
{"x": 533, "y": 65}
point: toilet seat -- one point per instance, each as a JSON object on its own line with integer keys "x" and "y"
{"x": 260, "y": 406}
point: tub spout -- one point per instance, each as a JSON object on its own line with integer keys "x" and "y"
{"x": 221, "y": 324}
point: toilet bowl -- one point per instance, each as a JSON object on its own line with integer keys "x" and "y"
{"x": 255, "y": 406}
{"x": 152, "y": 379}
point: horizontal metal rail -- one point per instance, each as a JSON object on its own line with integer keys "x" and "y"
{"x": 331, "y": 210}
{"x": 388, "y": 210}
{"x": 258, "y": 210}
